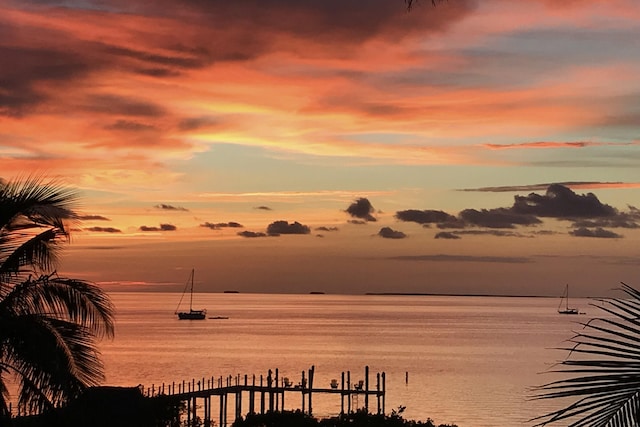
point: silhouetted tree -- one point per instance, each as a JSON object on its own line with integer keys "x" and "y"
{"x": 48, "y": 324}
{"x": 603, "y": 369}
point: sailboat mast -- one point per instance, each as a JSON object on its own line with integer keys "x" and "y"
{"x": 191, "y": 293}
{"x": 567, "y": 292}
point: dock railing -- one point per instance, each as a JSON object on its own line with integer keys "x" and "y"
{"x": 267, "y": 393}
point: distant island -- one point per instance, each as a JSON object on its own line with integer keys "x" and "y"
{"x": 316, "y": 293}
{"x": 231, "y": 292}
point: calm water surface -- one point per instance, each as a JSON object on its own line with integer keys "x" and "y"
{"x": 470, "y": 360}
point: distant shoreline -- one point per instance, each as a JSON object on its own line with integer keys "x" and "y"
{"x": 409, "y": 294}
{"x": 427, "y": 294}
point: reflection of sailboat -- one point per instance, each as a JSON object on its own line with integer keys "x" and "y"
{"x": 565, "y": 298}
{"x": 191, "y": 314}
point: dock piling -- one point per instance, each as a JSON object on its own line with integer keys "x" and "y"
{"x": 366, "y": 387}
{"x": 272, "y": 387}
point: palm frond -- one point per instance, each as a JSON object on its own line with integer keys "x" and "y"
{"x": 49, "y": 325}
{"x": 32, "y": 399}
{"x": 42, "y": 203}
{"x": 4, "y": 393}
{"x": 34, "y": 217}
{"x": 39, "y": 252}
{"x": 602, "y": 369}
{"x": 410, "y": 3}
{"x": 61, "y": 298}
{"x": 58, "y": 361}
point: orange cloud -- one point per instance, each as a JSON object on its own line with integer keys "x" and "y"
{"x": 112, "y": 97}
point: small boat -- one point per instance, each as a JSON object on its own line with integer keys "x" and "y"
{"x": 565, "y": 298}
{"x": 191, "y": 314}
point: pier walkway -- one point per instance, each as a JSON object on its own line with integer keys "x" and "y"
{"x": 266, "y": 393}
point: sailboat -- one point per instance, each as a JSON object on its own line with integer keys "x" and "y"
{"x": 191, "y": 314}
{"x": 565, "y": 298}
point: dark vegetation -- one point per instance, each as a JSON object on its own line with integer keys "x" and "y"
{"x": 109, "y": 407}
{"x": 360, "y": 418}
{"x": 127, "y": 407}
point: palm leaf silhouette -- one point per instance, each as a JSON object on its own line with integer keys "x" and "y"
{"x": 49, "y": 325}
{"x": 602, "y": 368}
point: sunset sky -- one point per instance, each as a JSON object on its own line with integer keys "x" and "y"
{"x": 487, "y": 146}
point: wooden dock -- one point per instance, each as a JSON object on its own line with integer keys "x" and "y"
{"x": 267, "y": 394}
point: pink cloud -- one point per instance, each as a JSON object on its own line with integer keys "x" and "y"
{"x": 555, "y": 144}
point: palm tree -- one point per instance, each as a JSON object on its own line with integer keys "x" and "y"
{"x": 48, "y": 324}
{"x": 603, "y": 369}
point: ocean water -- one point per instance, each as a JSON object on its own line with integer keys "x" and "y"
{"x": 465, "y": 360}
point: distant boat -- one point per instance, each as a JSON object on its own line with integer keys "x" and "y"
{"x": 191, "y": 314}
{"x": 565, "y": 298}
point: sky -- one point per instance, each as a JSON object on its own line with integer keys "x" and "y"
{"x": 341, "y": 146}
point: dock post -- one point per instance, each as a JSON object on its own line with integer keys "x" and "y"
{"x": 261, "y": 396}
{"x": 384, "y": 391}
{"x": 206, "y": 414}
{"x": 275, "y": 394}
{"x": 303, "y": 384}
{"x": 349, "y": 392}
{"x": 238, "y": 404}
{"x": 204, "y": 409}
{"x": 378, "y": 391}
{"x": 226, "y": 398}
{"x": 252, "y": 396}
{"x": 311, "y": 372}
{"x": 342, "y": 395}
{"x": 366, "y": 389}
{"x": 222, "y": 423}
{"x": 188, "y": 411}
{"x": 270, "y": 385}
{"x": 194, "y": 408}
